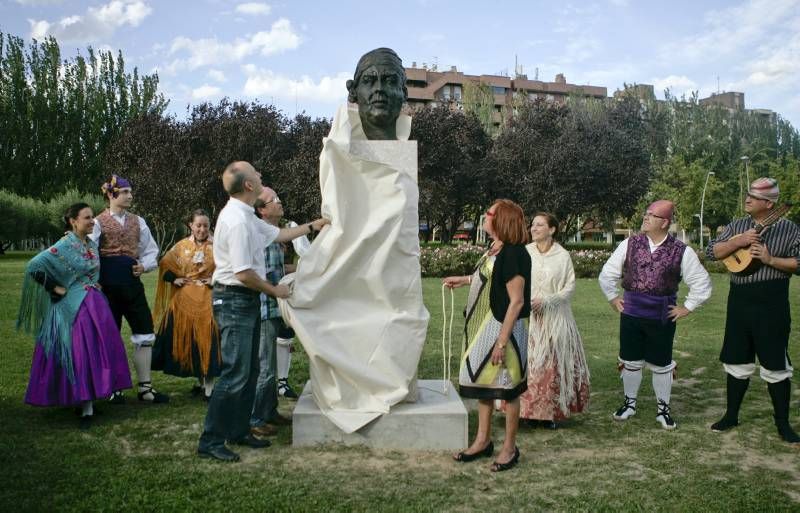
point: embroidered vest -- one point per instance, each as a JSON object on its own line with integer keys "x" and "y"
{"x": 117, "y": 240}
{"x": 657, "y": 273}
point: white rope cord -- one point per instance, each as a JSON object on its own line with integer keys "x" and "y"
{"x": 447, "y": 351}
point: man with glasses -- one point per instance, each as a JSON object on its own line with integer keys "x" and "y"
{"x": 650, "y": 266}
{"x": 265, "y": 419}
{"x": 758, "y": 319}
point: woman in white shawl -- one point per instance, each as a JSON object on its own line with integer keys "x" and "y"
{"x": 558, "y": 377}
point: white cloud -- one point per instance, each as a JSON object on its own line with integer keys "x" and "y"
{"x": 621, "y": 3}
{"x": 262, "y": 82}
{"x": 96, "y": 24}
{"x": 728, "y": 31}
{"x": 205, "y": 92}
{"x": 677, "y": 84}
{"x": 217, "y": 75}
{"x": 210, "y": 52}
{"x": 253, "y": 8}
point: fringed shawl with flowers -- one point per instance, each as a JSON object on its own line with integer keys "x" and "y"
{"x": 189, "y": 305}
{"x": 72, "y": 264}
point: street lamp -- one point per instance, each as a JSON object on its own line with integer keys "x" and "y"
{"x": 746, "y": 186}
{"x": 702, "y": 204}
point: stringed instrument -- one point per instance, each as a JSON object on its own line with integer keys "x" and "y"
{"x": 741, "y": 261}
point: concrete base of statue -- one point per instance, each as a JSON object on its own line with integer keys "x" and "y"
{"x": 435, "y": 421}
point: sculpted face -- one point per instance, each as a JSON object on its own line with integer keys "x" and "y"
{"x": 379, "y": 89}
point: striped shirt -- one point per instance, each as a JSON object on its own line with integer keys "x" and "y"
{"x": 782, "y": 239}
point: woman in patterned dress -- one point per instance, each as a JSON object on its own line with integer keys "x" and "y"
{"x": 558, "y": 377}
{"x": 495, "y": 357}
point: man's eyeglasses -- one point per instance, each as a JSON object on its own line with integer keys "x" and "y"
{"x": 648, "y": 214}
{"x": 273, "y": 200}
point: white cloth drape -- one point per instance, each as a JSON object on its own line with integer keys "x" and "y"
{"x": 356, "y": 302}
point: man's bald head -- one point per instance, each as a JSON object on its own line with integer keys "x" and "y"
{"x": 234, "y": 176}
{"x": 241, "y": 180}
{"x": 267, "y": 194}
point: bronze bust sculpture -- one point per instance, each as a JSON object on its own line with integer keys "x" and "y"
{"x": 379, "y": 89}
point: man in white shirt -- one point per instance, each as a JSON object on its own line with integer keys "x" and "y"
{"x": 651, "y": 265}
{"x": 238, "y": 280}
{"x": 127, "y": 250}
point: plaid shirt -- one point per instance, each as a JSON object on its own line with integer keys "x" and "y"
{"x": 273, "y": 258}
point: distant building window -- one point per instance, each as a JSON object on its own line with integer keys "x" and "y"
{"x": 498, "y": 90}
{"x": 457, "y": 92}
{"x": 549, "y": 97}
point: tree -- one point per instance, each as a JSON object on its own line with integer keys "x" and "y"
{"x": 453, "y": 179}
{"x": 574, "y": 159}
{"x": 297, "y": 181}
{"x": 57, "y": 116}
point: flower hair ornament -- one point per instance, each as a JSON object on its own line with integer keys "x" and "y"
{"x": 114, "y": 185}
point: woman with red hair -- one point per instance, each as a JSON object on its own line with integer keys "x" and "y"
{"x": 496, "y": 335}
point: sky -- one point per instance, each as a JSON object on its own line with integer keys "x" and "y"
{"x": 297, "y": 54}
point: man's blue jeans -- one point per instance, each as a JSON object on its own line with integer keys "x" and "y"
{"x": 237, "y": 312}
{"x": 265, "y": 407}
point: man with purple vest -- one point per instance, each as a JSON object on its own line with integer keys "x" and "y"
{"x": 651, "y": 265}
{"x": 127, "y": 250}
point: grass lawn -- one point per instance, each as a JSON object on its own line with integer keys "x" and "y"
{"x": 142, "y": 458}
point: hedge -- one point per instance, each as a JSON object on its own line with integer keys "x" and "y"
{"x": 461, "y": 259}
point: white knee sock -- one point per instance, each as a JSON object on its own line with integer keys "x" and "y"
{"x": 208, "y": 386}
{"x": 284, "y": 357}
{"x": 87, "y": 409}
{"x": 142, "y": 358}
{"x": 662, "y": 385}
{"x": 631, "y": 380}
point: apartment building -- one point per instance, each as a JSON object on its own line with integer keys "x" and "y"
{"x": 430, "y": 87}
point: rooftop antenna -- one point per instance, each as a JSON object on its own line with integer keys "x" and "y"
{"x": 536, "y": 74}
{"x": 717, "y": 84}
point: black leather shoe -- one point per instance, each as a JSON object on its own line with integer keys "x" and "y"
{"x": 218, "y": 453}
{"x": 252, "y": 442}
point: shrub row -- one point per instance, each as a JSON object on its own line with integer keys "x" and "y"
{"x": 460, "y": 259}
{"x": 23, "y": 218}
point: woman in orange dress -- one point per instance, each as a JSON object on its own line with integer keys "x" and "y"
{"x": 187, "y": 340}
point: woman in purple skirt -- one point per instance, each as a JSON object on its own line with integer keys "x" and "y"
{"x": 79, "y": 354}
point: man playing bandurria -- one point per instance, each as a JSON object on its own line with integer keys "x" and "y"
{"x": 758, "y": 319}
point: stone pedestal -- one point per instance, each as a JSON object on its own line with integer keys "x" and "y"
{"x": 436, "y": 421}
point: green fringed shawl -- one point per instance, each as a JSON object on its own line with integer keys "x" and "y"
{"x": 72, "y": 265}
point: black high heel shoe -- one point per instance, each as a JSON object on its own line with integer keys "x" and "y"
{"x": 463, "y": 457}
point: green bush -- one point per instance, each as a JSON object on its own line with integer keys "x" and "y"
{"x": 712, "y": 266}
{"x": 57, "y": 207}
{"x": 21, "y": 218}
{"x": 460, "y": 259}
{"x": 589, "y": 262}
{"x": 444, "y": 260}
{"x": 578, "y": 246}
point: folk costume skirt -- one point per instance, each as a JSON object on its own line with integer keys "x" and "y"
{"x": 98, "y": 358}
